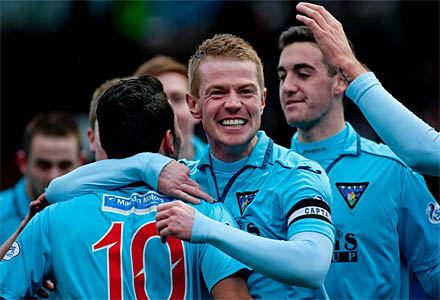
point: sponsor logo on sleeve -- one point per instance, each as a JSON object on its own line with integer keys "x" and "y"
{"x": 245, "y": 198}
{"x": 13, "y": 251}
{"x": 136, "y": 203}
{"x": 352, "y": 192}
{"x": 433, "y": 212}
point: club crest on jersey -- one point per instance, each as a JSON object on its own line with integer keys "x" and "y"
{"x": 433, "y": 212}
{"x": 352, "y": 192}
{"x": 13, "y": 251}
{"x": 245, "y": 198}
{"x": 136, "y": 203}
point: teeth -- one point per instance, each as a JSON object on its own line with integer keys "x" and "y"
{"x": 235, "y": 122}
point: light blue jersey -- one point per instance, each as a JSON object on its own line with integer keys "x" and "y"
{"x": 385, "y": 219}
{"x": 275, "y": 194}
{"x": 105, "y": 246}
{"x": 267, "y": 197}
{"x": 14, "y": 206}
{"x": 417, "y": 143}
{"x": 199, "y": 148}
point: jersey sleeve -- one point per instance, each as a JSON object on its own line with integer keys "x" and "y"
{"x": 385, "y": 115}
{"x": 419, "y": 232}
{"x": 215, "y": 264}
{"x": 28, "y": 260}
{"x": 107, "y": 174}
{"x": 306, "y": 200}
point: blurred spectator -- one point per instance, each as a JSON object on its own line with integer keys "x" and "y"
{"x": 174, "y": 78}
{"x": 51, "y": 149}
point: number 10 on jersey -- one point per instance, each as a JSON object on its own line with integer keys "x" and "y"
{"x": 112, "y": 242}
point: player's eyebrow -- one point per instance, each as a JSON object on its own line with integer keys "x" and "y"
{"x": 303, "y": 66}
{"x": 296, "y": 67}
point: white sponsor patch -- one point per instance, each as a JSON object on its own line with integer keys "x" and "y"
{"x": 137, "y": 204}
{"x": 433, "y": 212}
{"x": 13, "y": 251}
{"x": 310, "y": 211}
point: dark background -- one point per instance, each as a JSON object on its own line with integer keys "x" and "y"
{"x": 55, "y": 53}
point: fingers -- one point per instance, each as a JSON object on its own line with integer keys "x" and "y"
{"x": 174, "y": 180}
{"x": 49, "y": 285}
{"x": 192, "y": 194}
{"x": 163, "y": 213}
{"x": 314, "y": 17}
{"x": 42, "y": 293}
{"x": 174, "y": 219}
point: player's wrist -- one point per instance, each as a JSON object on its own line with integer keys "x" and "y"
{"x": 201, "y": 228}
{"x": 350, "y": 69}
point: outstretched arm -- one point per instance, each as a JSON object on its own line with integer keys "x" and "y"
{"x": 303, "y": 260}
{"x": 34, "y": 207}
{"x": 413, "y": 140}
{"x": 162, "y": 173}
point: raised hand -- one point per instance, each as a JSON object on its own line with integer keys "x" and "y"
{"x": 331, "y": 40}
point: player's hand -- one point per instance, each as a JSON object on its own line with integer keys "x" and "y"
{"x": 331, "y": 39}
{"x": 38, "y": 205}
{"x": 174, "y": 181}
{"x": 48, "y": 285}
{"x": 174, "y": 219}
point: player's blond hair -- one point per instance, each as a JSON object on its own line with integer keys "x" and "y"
{"x": 222, "y": 45}
{"x": 159, "y": 65}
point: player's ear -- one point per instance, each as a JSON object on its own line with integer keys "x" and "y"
{"x": 339, "y": 85}
{"x": 91, "y": 137}
{"x": 263, "y": 100}
{"x": 20, "y": 158}
{"x": 194, "y": 106}
{"x": 167, "y": 145}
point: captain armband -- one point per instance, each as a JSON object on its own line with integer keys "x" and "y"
{"x": 309, "y": 208}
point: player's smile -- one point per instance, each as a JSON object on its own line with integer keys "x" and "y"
{"x": 235, "y": 123}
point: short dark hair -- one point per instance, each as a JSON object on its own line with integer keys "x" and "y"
{"x": 133, "y": 117}
{"x": 95, "y": 97}
{"x": 53, "y": 124}
{"x": 296, "y": 34}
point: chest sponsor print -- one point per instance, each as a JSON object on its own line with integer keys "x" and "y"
{"x": 351, "y": 192}
{"x": 245, "y": 198}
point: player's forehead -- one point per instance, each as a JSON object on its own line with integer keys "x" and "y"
{"x": 48, "y": 147}
{"x": 300, "y": 53}
{"x": 172, "y": 81}
{"x": 225, "y": 71}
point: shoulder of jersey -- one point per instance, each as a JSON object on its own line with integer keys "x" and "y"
{"x": 380, "y": 150}
{"x": 287, "y": 157}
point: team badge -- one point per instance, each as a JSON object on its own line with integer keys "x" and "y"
{"x": 244, "y": 199}
{"x": 352, "y": 192}
{"x": 433, "y": 212}
{"x": 13, "y": 251}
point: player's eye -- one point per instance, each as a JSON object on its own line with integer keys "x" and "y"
{"x": 43, "y": 164}
{"x": 65, "y": 165}
{"x": 303, "y": 75}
